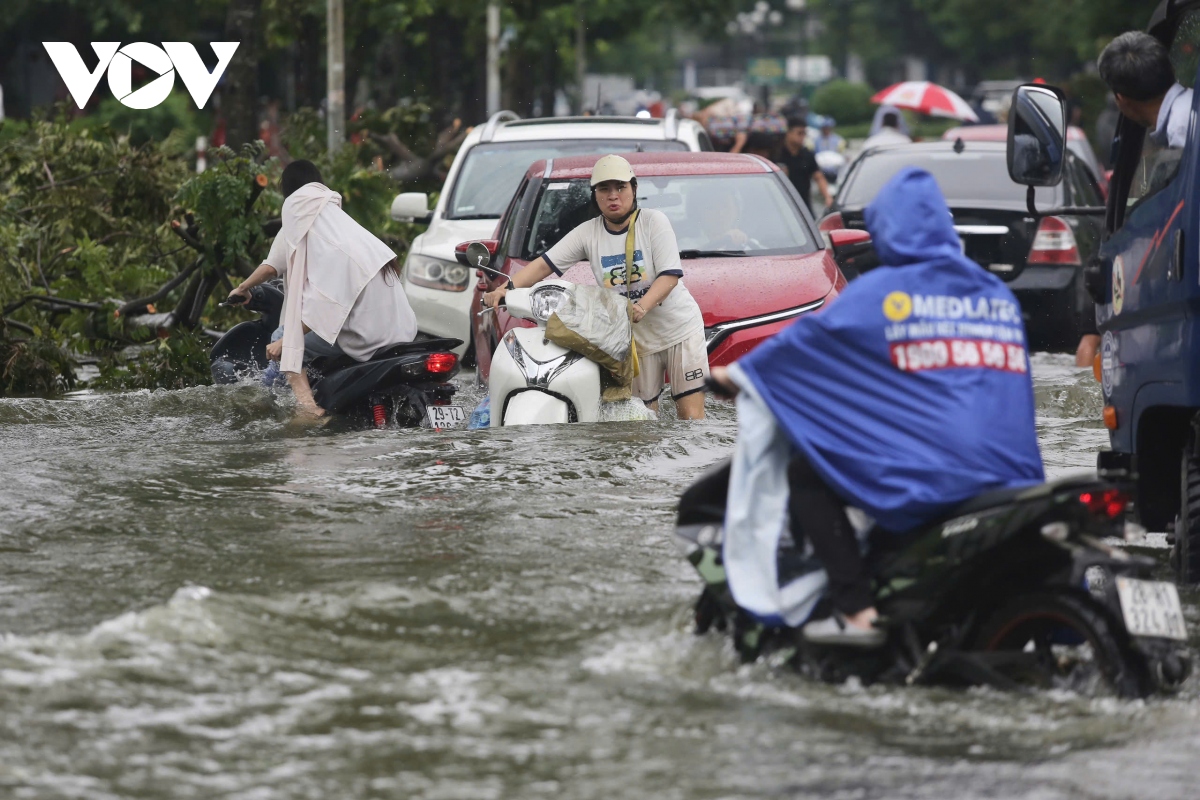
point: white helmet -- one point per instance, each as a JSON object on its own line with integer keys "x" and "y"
{"x": 612, "y": 168}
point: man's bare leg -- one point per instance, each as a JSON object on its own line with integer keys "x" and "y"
{"x": 1086, "y": 353}
{"x": 690, "y": 406}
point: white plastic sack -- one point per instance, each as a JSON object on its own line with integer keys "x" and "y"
{"x": 601, "y": 317}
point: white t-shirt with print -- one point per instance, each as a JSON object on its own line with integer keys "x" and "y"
{"x": 656, "y": 253}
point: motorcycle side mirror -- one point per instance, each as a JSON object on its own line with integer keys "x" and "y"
{"x": 478, "y": 255}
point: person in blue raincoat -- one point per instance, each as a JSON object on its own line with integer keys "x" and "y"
{"x": 909, "y": 394}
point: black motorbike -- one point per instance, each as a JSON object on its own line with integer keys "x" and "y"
{"x": 405, "y": 385}
{"x": 1013, "y": 589}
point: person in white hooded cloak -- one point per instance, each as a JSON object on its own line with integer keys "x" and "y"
{"x": 342, "y": 286}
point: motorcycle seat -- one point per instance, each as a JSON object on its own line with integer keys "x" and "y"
{"x": 328, "y": 364}
{"x": 982, "y": 502}
{"x": 419, "y": 346}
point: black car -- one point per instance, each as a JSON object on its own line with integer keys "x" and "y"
{"x": 1043, "y": 262}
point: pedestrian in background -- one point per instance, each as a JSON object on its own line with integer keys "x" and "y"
{"x": 889, "y": 132}
{"x": 828, "y": 140}
{"x": 800, "y": 163}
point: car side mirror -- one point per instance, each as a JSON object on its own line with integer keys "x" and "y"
{"x": 853, "y": 251}
{"x": 411, "y": 207}
{"x": 1037, "y": 135}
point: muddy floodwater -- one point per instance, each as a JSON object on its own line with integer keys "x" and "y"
{"x": 199, "y": 601}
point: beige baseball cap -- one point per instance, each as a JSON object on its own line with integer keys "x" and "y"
{"x": 611, "y": 168}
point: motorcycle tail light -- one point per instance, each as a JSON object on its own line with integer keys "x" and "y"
{"x": 440, "y": 363}
{"x": 1107, "y": 503}
{"x": 1054, "y": 243}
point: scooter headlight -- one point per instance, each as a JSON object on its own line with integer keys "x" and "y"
{"x": 545, "y": 301}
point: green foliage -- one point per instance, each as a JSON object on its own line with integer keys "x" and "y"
{"x": 177, "y": 114}
{"x": 81, "y": 218}
{"x": 356, "y": 172}
{"x": 36, "y": 366}
{"x": 988, "y": 40}
{"x": 846, "y": 102}
{"x": 176, "y": 362}
{"x": 219, "y": 197}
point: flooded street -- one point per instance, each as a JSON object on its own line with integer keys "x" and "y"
{"x": 199, "y": 600}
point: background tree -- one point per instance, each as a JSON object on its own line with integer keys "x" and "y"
{"x": 239, "y": 98}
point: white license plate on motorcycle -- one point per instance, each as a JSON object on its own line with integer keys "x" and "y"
{"x": 445, "y": 416}
{"x": 1151, "y": 608}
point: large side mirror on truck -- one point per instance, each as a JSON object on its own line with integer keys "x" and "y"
{"x": 1037, "y": 135}
{"x": 1037, "y": 143}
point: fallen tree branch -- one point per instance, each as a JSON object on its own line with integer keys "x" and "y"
{"x": 42, "y": 298}
{"x": 21, "y": 326}
{"x": 162, "y": 292}
{"x": 448, "y": 140}
{"x": 394, "y": 145}
{"x": 55, "y": 184}
{"x": 260, "y": 183}
{"x": 186, "y": 235}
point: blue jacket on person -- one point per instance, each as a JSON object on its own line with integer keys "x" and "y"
{"x": 911, "y": 392}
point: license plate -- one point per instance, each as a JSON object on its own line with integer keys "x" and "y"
{"x": 1151, "y": 608}
{"x": 445, "y": 416}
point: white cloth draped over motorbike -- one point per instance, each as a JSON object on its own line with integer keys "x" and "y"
{"x": 756, "y": 519}
{"x": 328, "y": 260}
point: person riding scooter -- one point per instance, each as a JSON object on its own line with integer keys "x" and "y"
{"x": 668, "y": 329}
{"x": 343, "y": 287}
{"x": 910, "y": 394}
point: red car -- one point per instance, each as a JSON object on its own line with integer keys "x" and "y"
{"x": 751, "y": 253}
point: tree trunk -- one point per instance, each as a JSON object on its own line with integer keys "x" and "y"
{"x": 240, "y": 96}
{"x": 518, "y": 87}
{"x": 551, "y": 64}
{"x": 307, "y": 62}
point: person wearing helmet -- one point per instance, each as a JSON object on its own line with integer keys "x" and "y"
{"x": 668, "y": 329}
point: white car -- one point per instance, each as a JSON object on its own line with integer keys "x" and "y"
{"x": 482, "y": 182}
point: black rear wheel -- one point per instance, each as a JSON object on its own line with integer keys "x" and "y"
{"x": 1061, "y": 641}
{"x": 1185, "y": 557}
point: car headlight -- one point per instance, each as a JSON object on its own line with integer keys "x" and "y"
{"x": 437, "y": 274}
{"x": 546, "y": 300}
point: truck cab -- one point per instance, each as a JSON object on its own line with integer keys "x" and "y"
{"x": 1146, "y": 283}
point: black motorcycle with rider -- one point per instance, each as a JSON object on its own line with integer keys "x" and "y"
{"x": 886, "y": 514}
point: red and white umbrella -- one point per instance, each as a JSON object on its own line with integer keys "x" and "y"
{"x": 927, "y": 98}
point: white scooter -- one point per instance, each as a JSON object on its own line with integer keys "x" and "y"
{"x": 534, "y": 381}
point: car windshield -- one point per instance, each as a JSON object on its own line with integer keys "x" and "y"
{"x": 726, "y": 215}
{"x": 491, "y": 172}
{"x": 963, "y": 177}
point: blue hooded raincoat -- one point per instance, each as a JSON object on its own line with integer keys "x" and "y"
{"x": 911, "y": 392}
